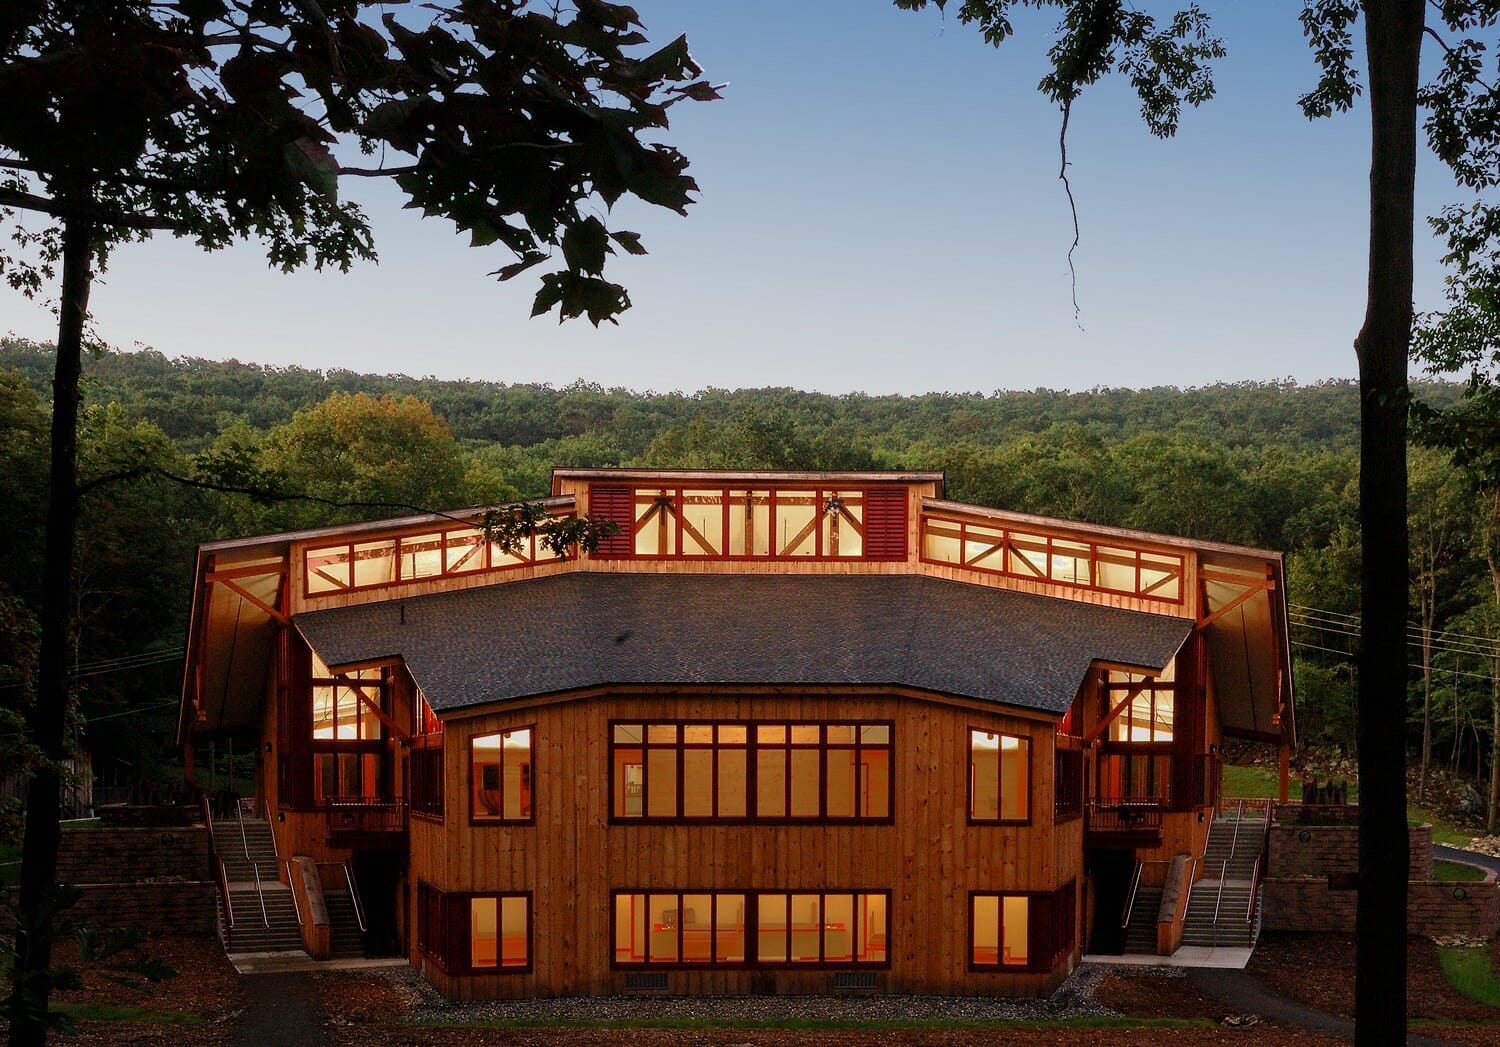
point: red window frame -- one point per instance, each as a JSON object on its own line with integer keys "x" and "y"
{"x": 526, "y": 780}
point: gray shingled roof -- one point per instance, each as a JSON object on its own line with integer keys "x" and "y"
{"x": 589, "y": 629}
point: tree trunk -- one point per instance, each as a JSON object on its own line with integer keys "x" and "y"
{"x": 1492, "y": 560}
{"x": 33, "y": 955}
{"x": 1393, "y": 45}
{"x": 1428, "y": 582}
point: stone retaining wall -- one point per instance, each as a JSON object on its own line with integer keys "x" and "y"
{"x": 133, "y": 855}
{"x": 1321, "y": 851}
{"x": 1434, "y": 907}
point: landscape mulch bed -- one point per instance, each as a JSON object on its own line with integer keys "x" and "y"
{"x": 369, "y": 1008}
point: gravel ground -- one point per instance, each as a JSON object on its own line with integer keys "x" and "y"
{"x": 1073, "y": 999}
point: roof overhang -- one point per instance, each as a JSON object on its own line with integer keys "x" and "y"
{"x": 1245, "y": 627}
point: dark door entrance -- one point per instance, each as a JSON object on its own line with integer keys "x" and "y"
{"x": 1110, "y": 871}
{"x": 378, "y": 874}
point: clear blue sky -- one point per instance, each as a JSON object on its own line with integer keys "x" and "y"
{"x": 880, "y": 211}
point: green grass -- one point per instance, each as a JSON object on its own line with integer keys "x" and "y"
{"x": 1262, "y": 782}
{"x": 1462, "y": 871}
{"x": 103, "y": 1012}
{"x": 1471, "y": 973}
{"x": 1110, "y": 1022}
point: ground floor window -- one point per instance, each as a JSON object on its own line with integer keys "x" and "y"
{"x": 1021, "y": 931}
{"x": 474, "y": 933}
{"x": 752, "y": 927}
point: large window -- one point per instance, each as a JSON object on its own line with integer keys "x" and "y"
{"x": 773, "y": 523}
{"x": 396, "y": 560}
{"x": 474, "y": 933}
{"x": 1149, "y": 714}
{"x": 760, "y": 927}
{"x": 1021, "y": 931}
{"x": 999, "y": 777}
{"x": 500, "y": 776}
{"x": 742, "y": 771}
{"x": 344, "y": 705}
{"x": 991, "y": 546}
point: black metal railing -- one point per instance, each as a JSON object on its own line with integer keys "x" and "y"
{"x": 1124, "y": 814}
{"x": 366, "y": 814}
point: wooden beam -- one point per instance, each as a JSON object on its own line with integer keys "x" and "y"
{"x": 245, "y": 594}
{"x": 1208, "y": 574}
{"x": 245, "y": 570}
{"x": 1255, "y": 590}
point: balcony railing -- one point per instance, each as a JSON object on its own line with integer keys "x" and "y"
{"x": 1124, "y": 815}
{"x": 366, "y": 814}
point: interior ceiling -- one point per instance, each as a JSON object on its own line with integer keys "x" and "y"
{"x": 239, "y": 638}
{"x": 1246, "y": 654}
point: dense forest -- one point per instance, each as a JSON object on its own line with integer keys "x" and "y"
{"x": 1271, "y": 465}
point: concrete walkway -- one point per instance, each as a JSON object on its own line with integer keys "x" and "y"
{"x": 1245, "y": 994}
{"x": 282, "y": 1008}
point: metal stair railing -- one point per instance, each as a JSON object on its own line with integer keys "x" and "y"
{"x": 359, "y": 910}
{"x": 296, "y": 905}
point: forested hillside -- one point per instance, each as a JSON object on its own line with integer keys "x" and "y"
{"x": 1270, "y": 465}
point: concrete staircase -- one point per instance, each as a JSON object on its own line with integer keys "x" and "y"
{"x": 1220, "y": 900}
{"x": 1140, "y": 933}
{"x": 346, "y": 940}
{"x": 265, "y": 913}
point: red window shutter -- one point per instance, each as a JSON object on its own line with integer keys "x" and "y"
{"x": 885, "y": 523}
{"x": 1039, "y": 932}
{"x": 616, "y": 504}
{"x": 456, "y": 932}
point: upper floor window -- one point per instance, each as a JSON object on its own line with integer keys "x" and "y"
{"x": 1151, "y": 708}
{"x": 740, "y": 771}
{"x": 447, "y": 553}
{"x": 835, "y": 523}
{"x": 999, "y": 777}
{"x": 500, "y": 776}
{"x": 990, "y": 545}
{"x": 343, "y": 707}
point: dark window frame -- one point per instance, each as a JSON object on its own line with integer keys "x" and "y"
{"x": 529, "y": 776}
{"x": 750, "y": 930}
{"x": 426, "y": 783}
{"x": 453, "y": 949}
{"x": 1030, "y": 746}
{"x": 1039, "y": 923}
{"x": 751, "y": 748}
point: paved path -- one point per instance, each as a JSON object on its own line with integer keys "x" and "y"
{"x": 1246, "y": 994}
{"x": 1454, "y": 854}
{"x": 282, "y": 1009}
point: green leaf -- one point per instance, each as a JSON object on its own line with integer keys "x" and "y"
{"x": 584, "y": 246}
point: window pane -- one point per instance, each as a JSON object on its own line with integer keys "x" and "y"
{"x": 749, "y": 523}
{"x": 697, "y": 928}
{"x": 875, "y": 734}
{"x": 1026, "y": 555}
{"x": 483, "y": 932}
{"x": 629, "y": 733}
{"x": 1115, "y": 569}
{"x": 517, "y": 783}
{"x": 463, "y": 552}
{"x": 733, "y": 735}
{"x": 629, "y": 779}
{"x": 729, "y": 918}
{"x": 772, "y": 937}
{"x": 661, "y": 733}
{"x": 656, "y": 522}
{"x": 322, "y": 698}
{"x": 374, "y": 562}
{"x": 702, "y": 523}
{"x": 697, "y": 734}
{"x": 838, "y": 928}
{"x": 630, "y": 928}
{"x": 1015, "y": 788}
{"x": 771, "y": 734}
{"x": 664, "y": 928}
{"x": 421, "y": 556}
{"x": 875, "y": 784}
{"x": 984, "y": 775}
{"x": 840, "y": 774}
{"x": 842, "y": 522}
{"x": 346, "y": 712}
{"x": 485, "y": 776}
{"x": 804, "y": 783}
{"x": 840, "y": 733}
{"x": 733, "y": 790}
{"x": 698, "y": 783}
{"x": 1070, "y": 562}
{"x": 513, "y": 932}
{"x": 940, "y": 541}
{"x": 770, "y": 783}
{"x": 797, "y": 515}
{"x": 985, "y": 928}
{"x": 984, "y": 546}
{"x": 872, "y": 929}
{"x": 1161, "y": 576}
{"x": 327, "y": 569}
{"x": 661, "y": 783}
{"x": 1013, "y": 922}
{"x": 807, "y": 928}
